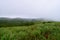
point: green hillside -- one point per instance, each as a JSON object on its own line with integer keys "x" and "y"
{"x": 31, "y": 30}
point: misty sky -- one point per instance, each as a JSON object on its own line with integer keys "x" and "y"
{"x": 30, "y": 8}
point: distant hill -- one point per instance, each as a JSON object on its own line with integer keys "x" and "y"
{"x": 15, "y": 22}
{"x": 20, "y": 21}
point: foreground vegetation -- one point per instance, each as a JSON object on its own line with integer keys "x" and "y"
{"x": 38, "y": 31}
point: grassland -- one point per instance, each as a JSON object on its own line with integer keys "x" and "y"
{"x": 38, "y": 31}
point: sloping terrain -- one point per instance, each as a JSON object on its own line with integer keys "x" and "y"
{"x": 38, "y": 31}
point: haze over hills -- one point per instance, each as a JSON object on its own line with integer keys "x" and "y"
{"x": 29, "y": 19}
{"x": 4, "y": 21}
{"x": 40, "y": 19}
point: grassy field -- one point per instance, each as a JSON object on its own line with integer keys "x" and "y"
{"x": 39, "y": 31}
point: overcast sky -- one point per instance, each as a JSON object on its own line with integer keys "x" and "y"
{"x": 30, "y": 8}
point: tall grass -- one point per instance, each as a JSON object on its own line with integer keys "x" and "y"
{"x": 40, "y": 31}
